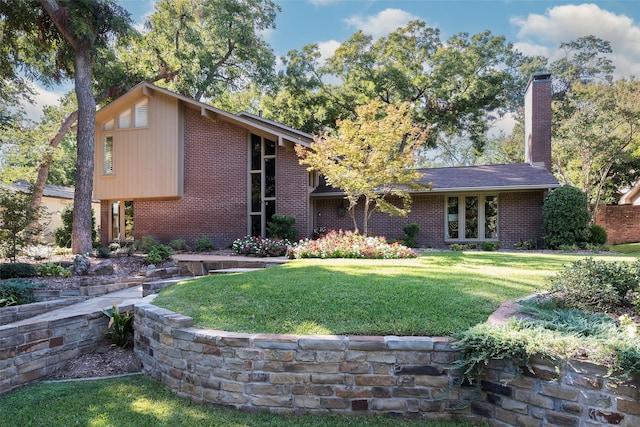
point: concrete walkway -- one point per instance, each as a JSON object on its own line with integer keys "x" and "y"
{"x": 121, "y": 298}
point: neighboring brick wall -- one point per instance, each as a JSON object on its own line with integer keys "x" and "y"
{"x": 32, "y": 350}
{"x": 408, "y": 376}
{"x": 622, "y": 223}
{"x": 520, "y": 217}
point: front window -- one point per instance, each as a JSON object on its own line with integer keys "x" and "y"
{"x": 262, "y": 180}
{"x": 472, "y": 217}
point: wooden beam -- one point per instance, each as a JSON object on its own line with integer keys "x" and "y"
{"x": 208, "y": 114}
{"x": 147, "y": 91}
{"x": 280, "y": 141}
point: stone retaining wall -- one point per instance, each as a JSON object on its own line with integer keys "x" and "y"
{"x": 409, "y": 376}
{"x": 31, "y": 350}
{"x": 15, "y": 313}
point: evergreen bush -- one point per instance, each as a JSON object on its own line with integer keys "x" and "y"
{"x": 598, "y": 235}
{"x": 62, "y": 234}
{"x": 282, "y": 227}
{"x": 566, "y": 217}
{"x": 411, "y": 232}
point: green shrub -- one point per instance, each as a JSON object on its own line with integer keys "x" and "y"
{"x": 457, "y": 247}
{"x": 18, "y": 291}
{"x": 593, "y": 285}
{"x": 158, "y": 254}
{"x": 103, "y": 252}
{"x": 527, "y": 244}
{"x": 203, "y": 244}
{"x": 489, "y": 246}
{"x": 598, "y": 235}
{"x": 120, "y": 326}
{"x": 16, "y": 216}
{"x": 282, "y": 227}
{"x": 52, "y": 269}
{"x": 17, "y": 270}
{"x": 145, "y": 244}
{"x": 62, "y": 234}
{"x": 178, "y": 245}
{"x": 565, "y": 217}
{"x": 411, "y": 232}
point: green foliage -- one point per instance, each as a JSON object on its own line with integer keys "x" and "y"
{"x": 594, "y": 285}
{"x": 348, "y": 244}
{"x": 598, "y": 235}
{"x": 259, "y": 246}
{"x": 178, "y": 245}
{"x": 103, "y": 252}
{"x": 411, "y": 232}
{"x": 120, "y": 326}
{"x": 457, "y": 247}
{"x": 527, "y": 244}
{"x": 39, "y": 252}
{"x": 52, "y": 269}
{"x": 203, "y": 244}
{"x": 145, "y": 244}
{"x": 16, "y": 218}
{"x": 282, "y": 227}
{"x": 17, "y": 270}
{"x": 377, "y": 151}
{"x": 566, "y": 217}
{"x": 18, "y": 291}
{"x": 158, "y": 254}
{"x": 62, "y": 234}
{"x": 490, "y": 246}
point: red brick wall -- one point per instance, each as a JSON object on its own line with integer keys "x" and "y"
{"x": 215, "y": 188}
{"x": 622, "y": 223}
{"x": 520, "y": 217}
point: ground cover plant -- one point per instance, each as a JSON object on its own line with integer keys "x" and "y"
{"x": 138, "y": 401}
{"x": 440, "y": 293}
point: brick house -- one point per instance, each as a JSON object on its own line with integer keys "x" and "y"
{"x": 171, "y": 167}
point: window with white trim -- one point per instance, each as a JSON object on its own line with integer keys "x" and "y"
{"x": 140, "y": 113}
{"x": 471, "y": 217}
{"x": 107, "y": 155}
{"x": 124, "y": 119}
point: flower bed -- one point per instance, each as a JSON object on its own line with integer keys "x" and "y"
{"x": 347, "y": 244}
{"x": 260, "y": 246}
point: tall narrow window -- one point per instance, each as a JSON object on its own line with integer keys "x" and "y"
{"x": 262, "y": 181}
{"x": 121, "y": 220}
{"x": 107, "y": 155}
{"x": 115, "y": 220}
{"x": 452, "y": 218}
{"x": 140, "y": 113}
{"x": 471, "y": 217}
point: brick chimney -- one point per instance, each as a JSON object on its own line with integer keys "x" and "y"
{"x": 537, "y": 121}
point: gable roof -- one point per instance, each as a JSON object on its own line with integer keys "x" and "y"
{"x": 246, "y": 120}
{"x": 512, "y": 177}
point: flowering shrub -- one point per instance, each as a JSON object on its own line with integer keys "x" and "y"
{"x": 347, "y": 244}
{"x": 260, "y": 246}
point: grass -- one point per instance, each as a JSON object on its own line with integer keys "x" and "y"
{"x": 440, "y": 293}
{"x": 627, "y": 248}
{"x": 138, "y": 401}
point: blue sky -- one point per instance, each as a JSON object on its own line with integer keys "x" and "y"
{"x": 534, "y": 26}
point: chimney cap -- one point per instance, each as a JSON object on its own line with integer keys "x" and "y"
{"x": 542, "y": 75}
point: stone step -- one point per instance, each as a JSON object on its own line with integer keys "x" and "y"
{"x": 156, "y": 286}
{"x": 234, "y": 270}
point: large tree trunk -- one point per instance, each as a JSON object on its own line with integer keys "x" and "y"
{"x": 81, "y": 228}
{"x": 81, "y": 232}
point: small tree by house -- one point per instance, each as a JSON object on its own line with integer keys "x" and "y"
{"x": 17, "y": 216}
{"x": 566, "y": 217}
{"x": 371, "y": 158}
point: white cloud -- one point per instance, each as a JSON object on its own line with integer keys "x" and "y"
{"x": 382, "y": 23}
{"x": 42, "y": 98}
{"x": 541, "y": 34}
{"x": 327, "y": 49}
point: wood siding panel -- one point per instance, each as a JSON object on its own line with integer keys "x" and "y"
{"x": 146, "y": 161}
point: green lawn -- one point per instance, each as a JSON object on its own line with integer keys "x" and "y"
{"x": 138, "y": 402}
{"x": 439, "y": 293}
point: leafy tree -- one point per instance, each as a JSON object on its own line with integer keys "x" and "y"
{"x": 597, "y": 126}
{"x": 56, "y": 39}
{"x": 206, "y": 48}
{"x": 370, "y": 158}
{"x": 566, "y": 217}
{"x": 17, "y": 215}
{"x": 451, "y": 84}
